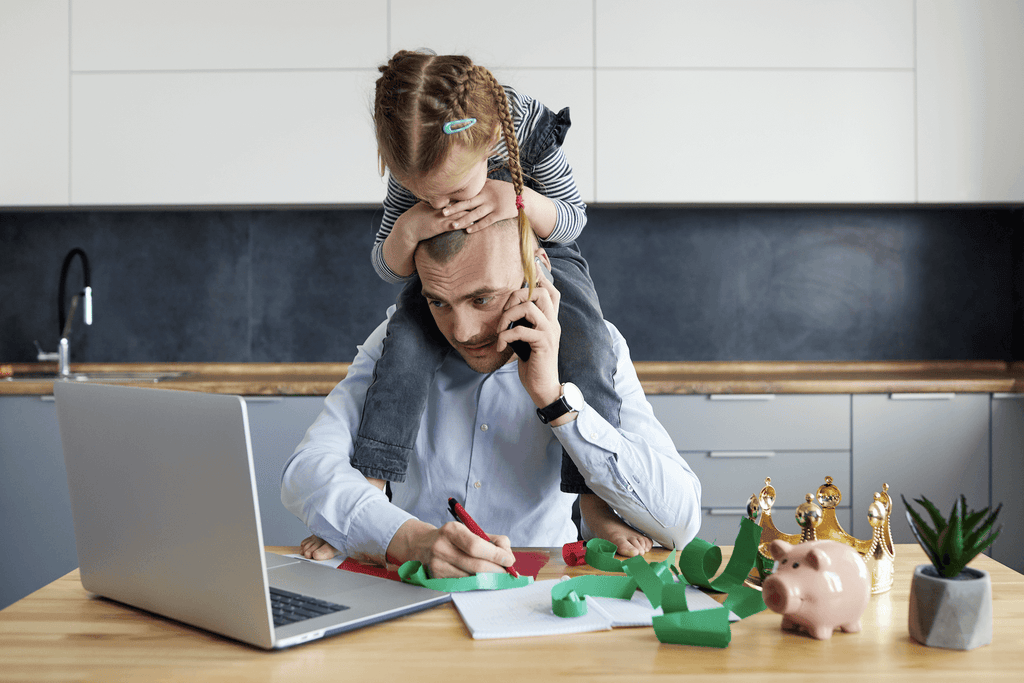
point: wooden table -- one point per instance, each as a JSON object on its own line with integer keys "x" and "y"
{"x": 61, "y": 633}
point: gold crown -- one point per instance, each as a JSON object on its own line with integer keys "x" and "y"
{"x": 818, "y": 522}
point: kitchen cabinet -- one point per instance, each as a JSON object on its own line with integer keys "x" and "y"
{"x": 970, "y": 101}
{"x": 771, "y": 136}
{"x": 213, "y": 137}
{"x": 733, "y": 441}
{"x": 277, "y": 425}
{"x": 270, "y": 103}
{"x": 34, "y": 114}
{"x": 743, "y": 101}
{"x": 198, "y": 35}
{"x": 739, "y": 101}
{"x": 37, "y": 533}
{"x": 1007, "y": 477}
{"x": 932, "y": 445}
{"x": 744, "y": 34}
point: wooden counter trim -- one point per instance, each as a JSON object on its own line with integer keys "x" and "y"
{"x": 656, "y": 377}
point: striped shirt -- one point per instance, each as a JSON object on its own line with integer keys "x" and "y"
{"x": 551, "y": 176}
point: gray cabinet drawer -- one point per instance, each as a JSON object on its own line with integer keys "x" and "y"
{"x": 933, "y": 445}
{"x": 793, "y": 422}
{"x": 727, "y": 479}
{"x": 720, "y": 527}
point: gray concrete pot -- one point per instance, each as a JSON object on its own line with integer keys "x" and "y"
{"x": 951, "y": 613}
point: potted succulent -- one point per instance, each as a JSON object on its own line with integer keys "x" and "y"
{"x": 951, "y": 603}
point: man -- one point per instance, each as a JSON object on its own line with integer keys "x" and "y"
{"x": 482, "y": 440}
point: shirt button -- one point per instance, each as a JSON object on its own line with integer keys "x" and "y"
{"x": 477, "y": 484}
{"x": 593, "y": 435}
{"x": 629, "y": 488}
{"x": 483, "y": 428}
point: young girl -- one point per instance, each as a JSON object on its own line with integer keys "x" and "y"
{"x": 464, "y": 152}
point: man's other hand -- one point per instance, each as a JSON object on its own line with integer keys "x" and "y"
{"x": 316, "y": 548}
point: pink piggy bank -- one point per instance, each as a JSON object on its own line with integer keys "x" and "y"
{"x": 818, "y": 585}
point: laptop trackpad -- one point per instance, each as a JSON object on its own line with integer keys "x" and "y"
{"x": 319, "y": 581}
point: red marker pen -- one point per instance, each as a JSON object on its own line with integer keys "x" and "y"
{"x": 460, "y": 514}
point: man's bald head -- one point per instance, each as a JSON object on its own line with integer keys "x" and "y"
{"x": 444, "y": 246}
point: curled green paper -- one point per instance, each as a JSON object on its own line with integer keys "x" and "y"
{"x": 567, "y": 596}
{"x": 415, "y": 573}
{"x": 699, "y": 562}
{"x": 601, "y": 555}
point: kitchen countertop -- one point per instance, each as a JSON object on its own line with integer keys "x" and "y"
{"x": 657, "y": 377}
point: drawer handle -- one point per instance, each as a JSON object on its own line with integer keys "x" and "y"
{"x": 1007, "y": 396}
{"x": 741, "y": 454}
{"x": 727, "y": 512}
{"x": 263, "y": 399}
{"x": 741, "y": 397}
{"x": 923, "y": 397}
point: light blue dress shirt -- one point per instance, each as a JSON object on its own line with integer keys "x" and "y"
{"x": 480, "y": 441}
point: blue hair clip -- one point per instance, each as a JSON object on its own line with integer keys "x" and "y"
{"x": 458, "y": 126}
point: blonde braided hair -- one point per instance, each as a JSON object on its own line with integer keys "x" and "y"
{"x": 516, "y": 169}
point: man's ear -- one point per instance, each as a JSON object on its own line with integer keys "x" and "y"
{"x": 543, "y": 256}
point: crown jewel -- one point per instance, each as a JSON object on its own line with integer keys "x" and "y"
{"x": 817, "y": 519}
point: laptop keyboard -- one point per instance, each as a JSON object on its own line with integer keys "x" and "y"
{"x": 290, "y": 607}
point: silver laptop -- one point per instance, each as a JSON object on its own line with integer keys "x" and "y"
{"x": 163, "y": 495}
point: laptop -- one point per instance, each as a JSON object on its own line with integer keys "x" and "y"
{"x": 163, "y": 496}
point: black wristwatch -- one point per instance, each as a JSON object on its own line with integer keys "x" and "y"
{"x": 570, "y": 400}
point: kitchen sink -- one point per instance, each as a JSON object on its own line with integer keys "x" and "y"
{"x": 95, "y": 377}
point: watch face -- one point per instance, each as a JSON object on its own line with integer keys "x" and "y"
{"x": 573, "y": 396}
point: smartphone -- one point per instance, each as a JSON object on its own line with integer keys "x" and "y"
{"x": 519, "y": 347}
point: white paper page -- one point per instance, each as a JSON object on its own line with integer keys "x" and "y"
{"x": 637, "y": 611}
{"x": 521, "y": 612}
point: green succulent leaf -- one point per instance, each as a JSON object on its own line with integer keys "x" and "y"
{"x": 955, "y": 541}
{"x": 975, "y": 537}
{"x": 938, "y": 521}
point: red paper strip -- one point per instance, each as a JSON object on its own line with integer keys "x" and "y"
{"x": 574, "y": 554}
{"x": 359, "y": 568}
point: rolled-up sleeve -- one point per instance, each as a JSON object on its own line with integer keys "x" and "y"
{"x": 635, "y": 468}
{"x": 320, "y": 486}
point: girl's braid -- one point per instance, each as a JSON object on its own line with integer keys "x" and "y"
{"x": 515, "y": 168}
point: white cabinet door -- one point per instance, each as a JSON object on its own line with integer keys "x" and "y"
{"x": 277, "y": 425}
{"x": 771, "y": 136}
{"x": 867, "y": 34}
{"x": 970, "y": 101}
{"x": 195, "y": 138}
{"x": 199, "y": 35}
{"x": 1007, "y": 475}
{"x": 225, "y": 103}
{"x": 931, "y": 445}
{"x": 33, "y": 103}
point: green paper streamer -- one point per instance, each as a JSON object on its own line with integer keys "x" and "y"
{"x": 638, "y": 569}
{"x": 698, "y": 563}
{"x": 707, "y": 628}
{"x": 601, "y": 555}
{"x": 700, "y": 560}
{"x": 567, "y": 596}
{"x": 415, "y": 573}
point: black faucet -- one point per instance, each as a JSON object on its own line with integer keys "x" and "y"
{"x": 64, "y": 321}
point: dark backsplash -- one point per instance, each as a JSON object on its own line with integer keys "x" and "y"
{"x": 680, "y": 283}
